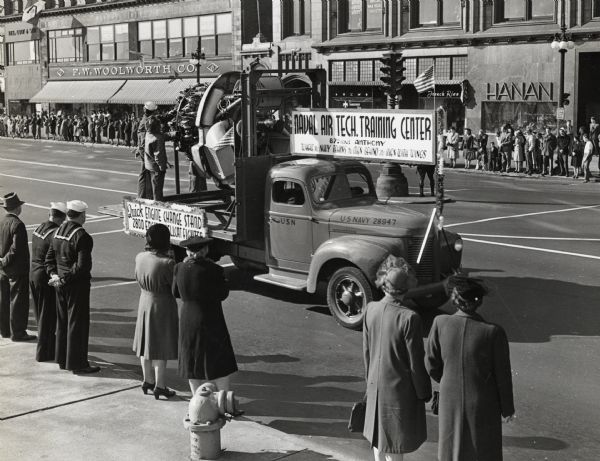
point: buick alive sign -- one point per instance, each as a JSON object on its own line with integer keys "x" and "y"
{"x": 401, "y": 136}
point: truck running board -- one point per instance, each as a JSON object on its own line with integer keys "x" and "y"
{"x": 283, "y": 281}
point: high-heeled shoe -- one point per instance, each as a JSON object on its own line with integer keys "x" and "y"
{"x": 147, "y": 387}
{"x": 158, "y": 391}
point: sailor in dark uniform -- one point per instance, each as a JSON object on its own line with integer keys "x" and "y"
{"x": 69, "y": 265}
{"x": 44, "y": 296}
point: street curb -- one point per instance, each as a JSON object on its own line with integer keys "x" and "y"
{"x": 521, "y": 175}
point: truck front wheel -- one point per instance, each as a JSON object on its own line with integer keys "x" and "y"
{"x": 348, "y": 293}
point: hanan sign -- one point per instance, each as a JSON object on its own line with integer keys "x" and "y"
{"x": 523, "y": 91}
{"x": 183, "y": 221}
{"x": 402, "y": 136}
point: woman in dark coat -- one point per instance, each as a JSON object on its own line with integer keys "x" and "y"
{"x": 470, "y": 359}
{"x": 155, "y": 339}
{"x": 205, "y": 349}
{"x": 397, "y": 382}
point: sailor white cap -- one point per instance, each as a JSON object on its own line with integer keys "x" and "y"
{"x": 60, "y": 206}
{"x": 77, "y": 205}
{"x": 150, "y": 105}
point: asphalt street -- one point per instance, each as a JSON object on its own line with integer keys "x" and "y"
{"x": 535, "y": 241}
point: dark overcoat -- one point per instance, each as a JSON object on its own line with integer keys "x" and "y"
{"x": 205, "y": 349}
{"x": 397, "y": 382}
{"x": 470, "y": 359}
{"x": 156, "y": 329}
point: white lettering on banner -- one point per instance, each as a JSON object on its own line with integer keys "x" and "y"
{"x": 404, "y": 136}
{"x": 183, "y": 221}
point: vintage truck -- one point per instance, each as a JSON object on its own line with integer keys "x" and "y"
{"x": 296, "y": 221}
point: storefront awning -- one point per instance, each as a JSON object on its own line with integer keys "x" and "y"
{"x": 160, "y": 91}
{"x": 82, "y": 91}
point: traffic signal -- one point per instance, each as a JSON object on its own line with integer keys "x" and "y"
{"x": 564, "y": 99}
{"x": 392, "y": 69}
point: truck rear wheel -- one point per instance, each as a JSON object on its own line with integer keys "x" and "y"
{"x": 348, "y": 293}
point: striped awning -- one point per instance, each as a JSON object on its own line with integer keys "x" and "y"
{"x": 82, "y": 91}
{"x": 164, "y": 91}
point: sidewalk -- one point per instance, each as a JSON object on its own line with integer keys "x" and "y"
{"x": 51, "y": 414}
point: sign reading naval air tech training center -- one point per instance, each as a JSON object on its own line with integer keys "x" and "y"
{"x": 183, "y": 221}
{"x": 402, "y": 136}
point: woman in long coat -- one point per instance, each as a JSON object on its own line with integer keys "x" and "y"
{"x": 397, "y": 383}
{"x": 205, "y": 349}
{"x": 155, "y": 339}
{"x": 470, "y": 359}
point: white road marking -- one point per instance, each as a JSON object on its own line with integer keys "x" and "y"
{"x": 109, "y": 232}
{"x": 57, "y": 165}
{"x": 69, "y": 184}
{"x": 543, "y": 250}
{"x": 110, "y": 285}
{"x": 91, "y": 221}
{"x": 522, "y": 215}
{"x": 123, "y": 160}
{"x": 564, "y": 239}
{"x": 33, "y": 205}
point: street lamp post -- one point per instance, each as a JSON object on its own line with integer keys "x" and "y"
{"x": 562, "y": 42}
{"x": 197, "y": 56}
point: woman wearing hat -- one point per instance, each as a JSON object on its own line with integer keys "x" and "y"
{"x": 205, "y": 349}
{"x": 470, "y": 359}
{"x": 397, "y": 382}
{"x": 155, "y": 339}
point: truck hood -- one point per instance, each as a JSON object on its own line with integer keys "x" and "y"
{"x": 377, "y": 219}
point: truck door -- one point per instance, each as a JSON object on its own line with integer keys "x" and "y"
{"x": 289, "y": 226}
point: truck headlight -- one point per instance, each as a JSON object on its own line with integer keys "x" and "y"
{"x": 458, "y": 245}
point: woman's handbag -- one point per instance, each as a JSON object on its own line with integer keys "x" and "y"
{"x": 357, "y": 417}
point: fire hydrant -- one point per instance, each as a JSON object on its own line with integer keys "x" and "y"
{"x": 209, "y": 409}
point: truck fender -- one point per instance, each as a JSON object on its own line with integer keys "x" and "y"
{"x": 362, "y": 251}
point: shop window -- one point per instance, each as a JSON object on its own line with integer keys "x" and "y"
{"x": 108, "y": 43}
{"x": 410, "y": 66}
{"x": 434, "y": 13}
{"x": 295, "y": 17}
{"x": 524, "y": 10}
{"x": 65, "y": 45}
{"x": 23, "y": 53}
{"x": 360, "y": 15}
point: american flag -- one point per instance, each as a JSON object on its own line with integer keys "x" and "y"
{"x": 425, "y": 81}
{"x": 32, "y": 10}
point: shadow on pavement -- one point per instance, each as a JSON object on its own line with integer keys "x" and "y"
{"x": 534, "y": 443}
{"x": 303, "y": 455}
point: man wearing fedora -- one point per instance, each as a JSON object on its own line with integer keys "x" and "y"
{"x": 14, "y": 272}
{"x": 69, "y": 265}
{"x": 44, "y": 296}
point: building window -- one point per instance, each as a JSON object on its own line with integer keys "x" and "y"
{"x": 355, "y": 70}
{"x": 434, "y": 13}
{"x": 294, "y": 60}
{"x": 108, "y": 43}
{"x": 446, "y": 67}
{"x": 360, "y": 15}
{"x": 295, "y": 17}
{"x": 17, "y": 6}
{"x": 65, "y": 45}
{"x": 596, "y": 8}
{"x": 179, "y": 37}
{"x": 524, "y": 10}
{"x": 23, "y": 53}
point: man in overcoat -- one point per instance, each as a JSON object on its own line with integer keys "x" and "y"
{"x": 44, "y": 296}
{"x": 69, "y": 265}
{"x": 470, "y": 359}
{"x": 397, "y": 383}
{"x": 145, "y": 177}
{"x": 14, "y": 272}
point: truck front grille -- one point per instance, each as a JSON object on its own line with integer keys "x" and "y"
{"x": 424, "y": 269}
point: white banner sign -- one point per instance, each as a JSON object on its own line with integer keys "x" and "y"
{"x": 402, "y": 136}
{"x": 183, "y": 221}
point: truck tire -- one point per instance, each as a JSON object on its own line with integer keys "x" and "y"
{"x": 348, "y": 293}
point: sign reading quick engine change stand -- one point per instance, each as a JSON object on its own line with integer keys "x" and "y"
{"x": 401, "y": 136}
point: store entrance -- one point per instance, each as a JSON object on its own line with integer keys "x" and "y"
{"x": 588, "y": 94}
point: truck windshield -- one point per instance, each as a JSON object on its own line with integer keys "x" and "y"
{"x": 340, "y": 186}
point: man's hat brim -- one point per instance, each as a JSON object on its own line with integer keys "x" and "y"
{"x": 194, "y": 243}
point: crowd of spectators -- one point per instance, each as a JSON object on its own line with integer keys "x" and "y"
{"x": 99, "y": 126}
{"x": 526, "y": 150}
